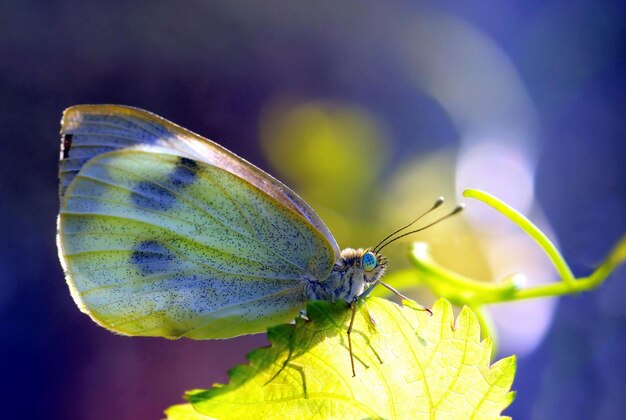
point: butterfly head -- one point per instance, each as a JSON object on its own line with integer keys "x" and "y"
{"x": 364, "y": 263}
{"x": 373, "y": 265}
{"x": 359, "y": 269}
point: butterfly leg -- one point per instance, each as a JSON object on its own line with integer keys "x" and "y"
{"x": 353, "y": 309}
{"x": 373, "y": 328}
{"x": 401, "y": 296}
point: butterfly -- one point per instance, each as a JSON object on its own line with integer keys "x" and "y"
{"x": 162, "y": 232}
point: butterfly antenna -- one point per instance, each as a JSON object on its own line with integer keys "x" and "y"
{"x": 439, "y": 201}
{"x": 456, "y": 210}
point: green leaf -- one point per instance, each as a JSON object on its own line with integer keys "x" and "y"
{"x": 408, "y": 365}
{"x": 184, "y": 412}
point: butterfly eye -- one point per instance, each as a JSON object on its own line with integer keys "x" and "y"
{"x": 369, "y": 261}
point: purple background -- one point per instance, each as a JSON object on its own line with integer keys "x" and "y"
{"x": 210, "y": 67}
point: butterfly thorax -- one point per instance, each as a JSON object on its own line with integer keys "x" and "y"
{"x": 348, "y": 278}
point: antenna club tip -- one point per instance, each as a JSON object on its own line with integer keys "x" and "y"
{"x": 439, "y": 201}
{"x": 459, "y": 208}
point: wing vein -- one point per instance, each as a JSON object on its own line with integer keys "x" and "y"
{"x": 149, "y": 224}
{"x": 248, "y": 302}
{"x": 196, "y": 205}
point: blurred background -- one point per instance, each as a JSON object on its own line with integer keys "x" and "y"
{"x": 369, "y": 111}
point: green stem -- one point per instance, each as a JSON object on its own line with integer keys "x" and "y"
{"x": 475, "y": 293}
{"x": 559, "y": 289}
{"x": 527, "y": 226}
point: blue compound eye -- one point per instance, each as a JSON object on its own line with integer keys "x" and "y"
{"x": 369, "y": 261}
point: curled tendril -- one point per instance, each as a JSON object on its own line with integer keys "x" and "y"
{"x": 475, "y": 293}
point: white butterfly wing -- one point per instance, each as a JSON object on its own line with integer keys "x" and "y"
{"x": 88, "y": 130}
{"x": 156, "y": 243}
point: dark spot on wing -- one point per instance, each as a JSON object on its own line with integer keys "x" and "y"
{"x": 152, "y": 196}
{"x": 185, "y": 173}
{"x": 66, "y": 145}
{"x": 151, "y": 256}
{"x": 189, "y": 163}
{"x": 160, "y": 194}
